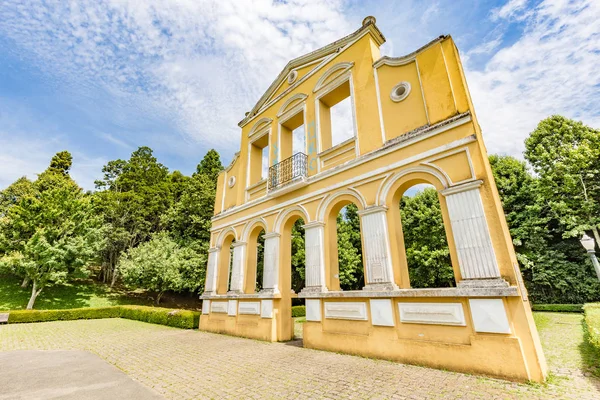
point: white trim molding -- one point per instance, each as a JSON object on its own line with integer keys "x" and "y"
{"x": 332, "y": 73}
{"x": 290, "y": 103}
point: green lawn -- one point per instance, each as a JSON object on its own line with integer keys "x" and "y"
{"x": 565, "y": 343}
{"x": 83, "y": 293}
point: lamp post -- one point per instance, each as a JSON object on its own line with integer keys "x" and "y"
{"x": 589, "y": 245}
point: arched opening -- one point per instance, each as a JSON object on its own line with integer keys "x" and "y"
{"x": 255, "y": 260}
{"x": 349, "y": 249}
{"x": 225, "y": 261}
{"x": 343, "y": 245}
{"x": 292, "y": 269}
{"x": 424, "y": 237}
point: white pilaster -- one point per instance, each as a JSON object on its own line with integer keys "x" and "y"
{"x": 237, "y": 268}
{"x": 314, "y": 243}
{"x": 210, "y": 286}
{"x": 476, "y": 256}
{"x": 376, "y": 241}
{"x": 271, "y": 267}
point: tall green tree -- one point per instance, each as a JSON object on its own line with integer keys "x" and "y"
{"x": 555, "y": 269}
{"x": 210, "y": 166}
{"x": 132, "y": 196}
{"x": 52, "y": 233}
{"x": 565, "y": 154}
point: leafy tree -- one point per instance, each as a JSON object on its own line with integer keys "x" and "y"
{"x": 351, "y": 273}
{"x": 51, "y": 233}
{"x": 565, "y": 154}
{"x": 189, "y": 218}
{"x": 61, "y": 162}
{"x": 427, "y": 251}
{"x": 160, "y": 265}
{"x": 555, "y": 269}
{"x": 298, "y": 256}
{"x": 260, "y": 260}
{"x": 210, "y": 166}
{"x": 14, "y": 193}
{"x": 133, "y": 196}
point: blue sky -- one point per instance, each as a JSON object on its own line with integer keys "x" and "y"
{"x": 104, "y": 77}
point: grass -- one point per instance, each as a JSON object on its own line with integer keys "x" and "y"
{"x": 82, "y": 294}
{"x": 565, "y": 342}
{"x": 298, "y": 329}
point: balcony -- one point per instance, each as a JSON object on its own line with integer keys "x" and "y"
{"x": 288, "y": 171}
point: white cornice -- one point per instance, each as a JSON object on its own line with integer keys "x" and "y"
{"x": 403, "y": 60}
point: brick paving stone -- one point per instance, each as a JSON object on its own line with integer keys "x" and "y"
{"x": 185, "y": 364}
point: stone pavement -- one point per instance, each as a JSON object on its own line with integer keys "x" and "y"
{"x": 183, "y": 364}
{"x": 66, "y": 374}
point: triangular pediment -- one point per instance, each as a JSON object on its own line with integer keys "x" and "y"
{"x": 300, "y": 67}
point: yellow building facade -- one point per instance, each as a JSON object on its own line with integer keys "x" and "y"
{"x": 411, "y": 122}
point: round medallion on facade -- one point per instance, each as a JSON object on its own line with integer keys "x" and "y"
{"x": 292, "y": 76}
{"x": 400, "y": 91}
{"x": 231, "y": 181}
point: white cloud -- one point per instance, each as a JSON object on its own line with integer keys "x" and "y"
{"x": 114, "y": 140}
{"x": 512, "y": 9}
{"x": 551, "y": 69}
{"x": 200, "y": 64}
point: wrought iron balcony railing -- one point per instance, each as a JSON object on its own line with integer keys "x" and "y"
{"x": 287, "y": 170}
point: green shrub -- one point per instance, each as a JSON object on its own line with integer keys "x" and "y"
{"x": 163, "y": 316}
{"x": 20, "y": 316}
{"x": 184, "y": 319}
{"x": 576, "y": 308}
{"x": 298, "y": 311}
{"x": 592, "y": 323}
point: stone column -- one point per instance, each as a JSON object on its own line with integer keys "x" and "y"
{"x": 376, "y": 251}
{"x": 237, "y": 268}
{"x": 271, "y": 266}
{"x": 476, "y": 257}
{"x": 210, "y": 287}
{"x": 314, "y": 243}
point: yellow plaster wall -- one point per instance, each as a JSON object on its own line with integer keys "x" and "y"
{"x": 408, "y": 114}
{"x": 436, "y": 84}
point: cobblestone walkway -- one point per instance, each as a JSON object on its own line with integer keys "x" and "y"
{"x": 182, "y": 364}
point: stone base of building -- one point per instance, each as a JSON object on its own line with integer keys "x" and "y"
{"x": 460, "y": 329}
{"x": 252, "y": 318}
{"x": 471, "y": 335}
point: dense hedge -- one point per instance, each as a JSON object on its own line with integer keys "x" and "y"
{"x": 164, "y": 316}
{"x": 592, "y": 323}
{"x": 298, "y": 311}
{"x": 558, "y": 307}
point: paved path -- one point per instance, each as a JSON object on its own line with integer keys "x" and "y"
{"x": 66, "y": 374}
{"x": 182, "y": 364}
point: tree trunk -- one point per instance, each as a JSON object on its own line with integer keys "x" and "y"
{"x": 34, "y": 294}
{"x": 596, "y": 235}
{"x": 159, "y": 297}
{"x": 114, "y": 278}
{"x": 25, "y": 282}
